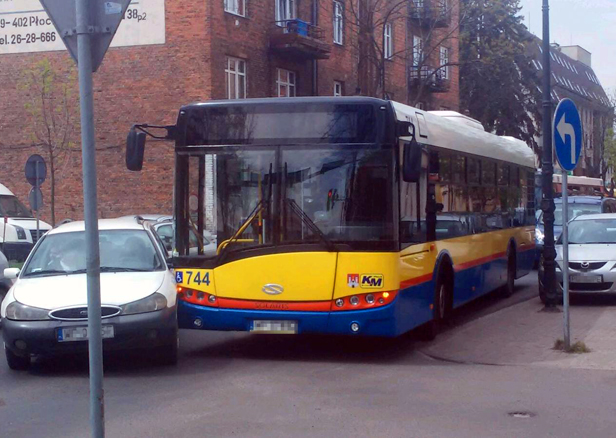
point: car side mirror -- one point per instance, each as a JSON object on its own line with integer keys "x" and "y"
{"x": 411, "y": 165}
{"x": 11, "y": 273}
{"x": 135, "y": 149}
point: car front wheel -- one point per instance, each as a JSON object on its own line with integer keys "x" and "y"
{"x": 17, "y": 363}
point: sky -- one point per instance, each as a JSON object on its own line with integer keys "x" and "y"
{"x": 587, "y": 23}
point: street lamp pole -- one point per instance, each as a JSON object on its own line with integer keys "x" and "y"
{"x": 547, "y": 202}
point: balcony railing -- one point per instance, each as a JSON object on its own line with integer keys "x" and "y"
{"x": 431, "y": 13}
{"x": 435, "y": 80}
{"x": 299, "y": 39}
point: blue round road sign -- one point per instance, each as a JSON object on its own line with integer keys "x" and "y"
{"x": 567, "y": 134}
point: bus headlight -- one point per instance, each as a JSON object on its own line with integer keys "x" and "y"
{"x": 152, "y": 303}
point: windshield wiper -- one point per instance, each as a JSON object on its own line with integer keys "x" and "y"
{"x": 122, "y": 269}
{"x": 295, "y": 208}
{"x": 46, "y": 272}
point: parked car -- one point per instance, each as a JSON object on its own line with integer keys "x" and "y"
{"x": 45, "y": 312}
{"x": 18, "y": 229}
{"x": 5, "y": 283}
{"x": 577, "y": 205}
{"x": 592, "y": 256}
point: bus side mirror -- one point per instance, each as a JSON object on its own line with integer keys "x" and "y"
{"x": 411, "y": 165}
{"x": 135, "y": 148}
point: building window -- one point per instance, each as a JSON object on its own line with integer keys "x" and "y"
{"x": 285, "y": 10}
{"x": 235, "y": 74}
{"x": 338, "y": 23}
{"x": 237, "y": 7}
{"x": 417, "y": 51}
{"x": 444, "y": 58}
{"x": 388, "y": 42}
{"x": 338, "y": 87}
{"x": 285, "y": 83}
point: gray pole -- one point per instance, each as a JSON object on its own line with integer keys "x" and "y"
{"x": 95, "y": 342}
{"x": 547, "y": 203}
{"x": 38, "y": 207}
{"x": 565, "y": 269}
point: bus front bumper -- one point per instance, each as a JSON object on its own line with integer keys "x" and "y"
{"x": 379, "y": 321}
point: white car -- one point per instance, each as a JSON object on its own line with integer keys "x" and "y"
{"x": 5, "y": 283}
{"x": 18, "y": 230}
{"x": 45, "y": 312}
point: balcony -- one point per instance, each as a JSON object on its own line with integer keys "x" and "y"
{"x": 430, "y": 13}
{"x": 299, "y": 39}
{"x": 433, "y": 80}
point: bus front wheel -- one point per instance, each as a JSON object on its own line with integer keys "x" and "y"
{"x": 442, "y": 306}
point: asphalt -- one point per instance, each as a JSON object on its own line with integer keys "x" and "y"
{"x": 234, "y": 384}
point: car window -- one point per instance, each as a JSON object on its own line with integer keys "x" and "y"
{"x": 165, "y": 231}
{"x": 574, "y": 211}
{"x": 120, "y": 251}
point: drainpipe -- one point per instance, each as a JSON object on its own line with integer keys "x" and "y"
{"x": 315, "y": 65}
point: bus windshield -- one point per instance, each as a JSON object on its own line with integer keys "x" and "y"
{"x": 273, "y": 196}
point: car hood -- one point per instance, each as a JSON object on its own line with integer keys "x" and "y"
{"x": 71, "y": 290}
{"x": 588, "y": 253}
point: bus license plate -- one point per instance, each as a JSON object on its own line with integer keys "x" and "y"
{"x": 586, "y": 279}
{"x": 72, "y": 334}
{"x": 277, "y": 327}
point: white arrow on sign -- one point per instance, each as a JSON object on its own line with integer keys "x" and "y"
{"x": 565, "y": 129}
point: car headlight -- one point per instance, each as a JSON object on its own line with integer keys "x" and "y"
{"x": 152, "y": 303}
{"x": 21, "y": 233}
{"x": 20, "y": 312}
{"x": 539, "y": 235}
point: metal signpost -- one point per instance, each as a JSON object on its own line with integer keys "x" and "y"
{"x": 36, "y": 172}
{"x": 87, "y": 28}
{"x": 567, "y": 133}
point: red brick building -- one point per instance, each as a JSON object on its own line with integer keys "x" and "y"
{"x": 218, "y": 49}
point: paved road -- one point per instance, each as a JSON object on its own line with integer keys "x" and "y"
{"x": 230, "y": 384}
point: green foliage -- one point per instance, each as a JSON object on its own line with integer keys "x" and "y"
{"x": 498, "y": 84}
{"x": 578, "y": 348}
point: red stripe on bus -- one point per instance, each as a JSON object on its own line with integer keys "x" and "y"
{"x": 305, "y": 306}
{"x": 477, "y": 262}
{"x": 415, "y": 281}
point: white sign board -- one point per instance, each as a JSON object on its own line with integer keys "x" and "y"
{"x": 26, "y": 28}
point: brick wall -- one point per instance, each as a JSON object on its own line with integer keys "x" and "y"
{"x": 149, "y": 83}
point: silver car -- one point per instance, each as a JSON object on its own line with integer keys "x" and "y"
{"x": 592, "y": 256}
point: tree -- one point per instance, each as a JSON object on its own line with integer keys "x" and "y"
{"x": 435, "y": 22}
{"x": 498, "y": 85}
{"x": 52, "y": 104}
{"x": 608, "y": 140}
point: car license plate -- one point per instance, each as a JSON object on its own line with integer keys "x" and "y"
{"x": 72, "y": 334}
{"x": 279, "y": 327}
{"x": 586, "y": 278}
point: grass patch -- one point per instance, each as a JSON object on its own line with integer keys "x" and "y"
{"x": 15, "y": 264}
{"x": 578, "y": 348}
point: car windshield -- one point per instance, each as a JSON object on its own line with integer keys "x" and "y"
{"x": 574, "y": 211}
{"x": 10, "y": 206}
{"x": 592, "y": 231}
{"x": 120, "y": 251}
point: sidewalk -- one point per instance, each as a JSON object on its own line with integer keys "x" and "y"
{"x": 522, "y": 335}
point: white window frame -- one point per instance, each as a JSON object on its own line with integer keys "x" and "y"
{"x": 285, "y": 10}
{"x": 235, "y": 7}
{"x": 338, "y": 88}
{"x": 233, "y": 73}
{"x": 290, "y": 82}
{"x": 417, "y": 50}
{"x": 338, "y": 22}
{"x": 443, "y": 61}
{"x": 388, "y": 41}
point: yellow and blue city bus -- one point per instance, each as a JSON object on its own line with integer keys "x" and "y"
{"x": 346, "y": 215}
